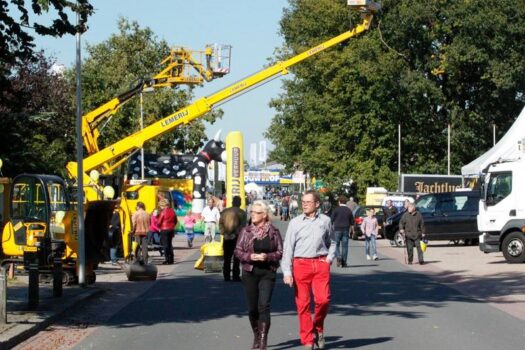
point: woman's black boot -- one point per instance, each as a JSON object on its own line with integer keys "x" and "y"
{"x": 255, "y": 329}
{"x": 264, "y": 327}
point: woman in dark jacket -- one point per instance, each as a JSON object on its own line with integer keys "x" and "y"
{"x": 259, "y": 248}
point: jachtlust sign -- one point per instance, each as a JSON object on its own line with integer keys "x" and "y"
{"x": 425, "y": 183}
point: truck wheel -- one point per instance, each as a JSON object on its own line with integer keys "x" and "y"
{"x": 398, "y": 239}
{"x": 513, "y": 248}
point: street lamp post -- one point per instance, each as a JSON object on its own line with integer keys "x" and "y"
{"x": 399, "y": 149}
{"x": 448, "y": 150}
{"x": 80, "y": 168}
{"x": 141, "y": 127}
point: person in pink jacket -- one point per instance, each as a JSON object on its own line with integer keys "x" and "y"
{"x": 189, "y": 223}
{"x": 154, "y": 230}
{"x": 369, "y": 227}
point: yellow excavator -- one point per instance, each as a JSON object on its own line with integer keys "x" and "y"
{"x": 33, "y": 234}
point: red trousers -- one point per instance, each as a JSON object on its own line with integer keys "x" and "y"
{"x": 311, "y": 275}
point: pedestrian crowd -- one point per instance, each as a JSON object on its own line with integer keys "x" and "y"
{"x": 254, "y": 246}
{"x": 146, "y": 229}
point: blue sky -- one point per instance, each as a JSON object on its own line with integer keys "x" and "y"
{"x": 250, "y": 26}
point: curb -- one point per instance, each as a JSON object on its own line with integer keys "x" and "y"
{"x": 40, "y": 321}
{"x": 472, "y": 283}
{"x": 62, "y": 308}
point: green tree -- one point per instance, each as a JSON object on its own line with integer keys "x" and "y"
{"x": 18, "y": 21}
{"x": 37, "y": 130}
{"x": 32, "y": 97}
{"x": 423, "y": 64}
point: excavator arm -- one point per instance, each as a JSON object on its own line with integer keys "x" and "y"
{"x": 92, "y": 120}
{"x": 126, "y": 146}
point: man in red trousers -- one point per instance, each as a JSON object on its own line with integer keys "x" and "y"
{"x": 309, "y": 248}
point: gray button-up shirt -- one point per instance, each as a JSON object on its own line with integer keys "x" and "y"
{"x": 307, "y": 238}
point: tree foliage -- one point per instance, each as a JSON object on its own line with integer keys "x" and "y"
{"x": 38, "y": 129}
{"x": 33, "y": 98}
{"x": 115, "y": 65}
{"x": 38, "y": 132}
{"x": 423, "y": 64}
{"x": 19, "y": 18}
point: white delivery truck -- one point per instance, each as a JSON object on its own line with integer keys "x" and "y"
{"x": 501, "y": 218}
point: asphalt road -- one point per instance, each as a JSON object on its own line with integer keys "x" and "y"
{"x": 375, "y": 305}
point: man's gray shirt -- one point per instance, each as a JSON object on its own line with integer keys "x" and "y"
{"x": 308, "y": 238}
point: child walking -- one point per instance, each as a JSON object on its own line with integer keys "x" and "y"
{"x": 189, "y": 223}
{"x": 369, "y": 227}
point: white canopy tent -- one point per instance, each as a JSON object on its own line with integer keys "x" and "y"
{"x": 510, "y": 147}
{"x": 253, "y": 187}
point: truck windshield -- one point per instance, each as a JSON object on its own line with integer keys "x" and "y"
{"x": 499, "y": 186}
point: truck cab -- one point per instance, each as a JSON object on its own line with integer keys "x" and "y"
{"x": 501, "y": 218}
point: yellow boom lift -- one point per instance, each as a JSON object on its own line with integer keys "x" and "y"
{"x": 177, "y": 69}
{"x": 28, "y": 233}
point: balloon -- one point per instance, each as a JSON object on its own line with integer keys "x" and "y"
{"x": 94, "y": 175}
{"x": 1, "y": 163}
{"x": 109, "y": 192}
{"x": 59, "y": 216}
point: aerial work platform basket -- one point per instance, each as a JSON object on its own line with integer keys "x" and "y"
{"x": 220, "y": 59}
{"x": 193, "y": 67}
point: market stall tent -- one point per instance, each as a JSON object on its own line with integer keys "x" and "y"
{"x": 510, "y": 147}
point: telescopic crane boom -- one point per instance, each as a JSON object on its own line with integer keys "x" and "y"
{"x": 124, "y": 147}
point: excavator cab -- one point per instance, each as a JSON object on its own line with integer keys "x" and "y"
{"x": 44, "y": 225}
{"x": 39, "y": 215}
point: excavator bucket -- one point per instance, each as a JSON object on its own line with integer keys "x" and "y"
{"x": 98, "y": 216}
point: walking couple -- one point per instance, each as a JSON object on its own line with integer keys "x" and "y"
{"x": 307, "y": 253}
